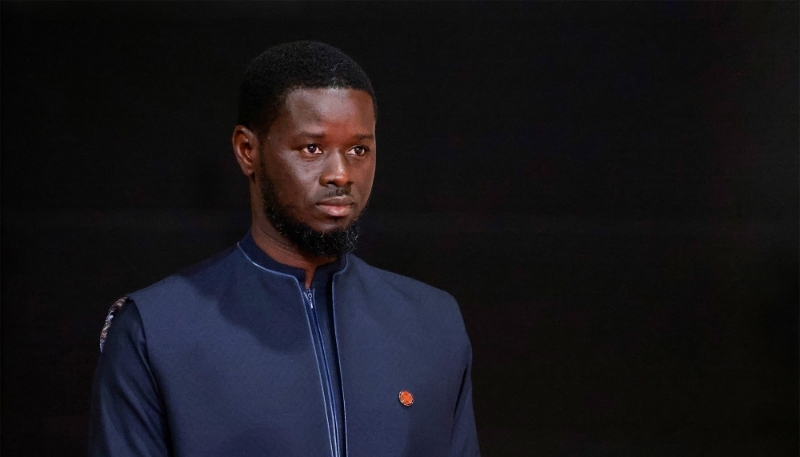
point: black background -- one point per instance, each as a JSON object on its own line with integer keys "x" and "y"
{"x": 610, "y": 190}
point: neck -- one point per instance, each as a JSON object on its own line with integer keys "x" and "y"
{"x": 283, "y": 251}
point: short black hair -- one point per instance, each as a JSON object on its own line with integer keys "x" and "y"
{"x": 289, "y": 66}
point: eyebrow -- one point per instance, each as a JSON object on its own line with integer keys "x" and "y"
{"x": 360, "y": 136}
{"x": 311, "y": 135}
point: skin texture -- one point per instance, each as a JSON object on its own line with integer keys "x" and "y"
{"x": 319, "y": 154}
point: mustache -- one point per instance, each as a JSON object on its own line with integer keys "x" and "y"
{"x": 343, "y": 191}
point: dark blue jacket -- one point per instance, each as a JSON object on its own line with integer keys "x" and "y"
{"x": 221, "y": 360}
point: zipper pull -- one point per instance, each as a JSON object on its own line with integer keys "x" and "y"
{"x": 310, "y": 296}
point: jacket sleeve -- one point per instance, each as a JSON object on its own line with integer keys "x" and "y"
{"x": 464, "y": 437}
{"x": 127, "y": 415}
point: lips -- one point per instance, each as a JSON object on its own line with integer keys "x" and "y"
{"x": 337, "y": 206}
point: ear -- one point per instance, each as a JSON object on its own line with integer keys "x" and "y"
{"x": 245, "y": 148}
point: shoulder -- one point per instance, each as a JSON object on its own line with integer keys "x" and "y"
{"x": 123, "y": 333}
{"x": 408, "y": 287}
{"x": 181, "y": 305}
{"x": 191, "y": 281}
{"x": 408, "y": 299}
{"x": 188, "y": 297}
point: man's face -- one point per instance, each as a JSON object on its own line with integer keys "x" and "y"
{"x": 317, "y": 166}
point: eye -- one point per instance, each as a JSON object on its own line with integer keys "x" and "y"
{"x": 360, "y": 150}
{"x": 312, "y": 149}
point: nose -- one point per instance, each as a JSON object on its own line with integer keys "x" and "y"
{"x": 336, "y": 171}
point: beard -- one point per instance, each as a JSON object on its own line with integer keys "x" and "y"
{"x": 311, "y": 242}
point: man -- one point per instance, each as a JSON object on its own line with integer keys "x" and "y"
{"x": 286, "y": 344}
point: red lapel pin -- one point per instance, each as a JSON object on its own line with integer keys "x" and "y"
{"x": 406, "y": 398}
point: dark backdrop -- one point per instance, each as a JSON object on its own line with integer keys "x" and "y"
{"x": 610, "y": 190}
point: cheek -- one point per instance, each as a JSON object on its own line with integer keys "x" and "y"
{"x": 297, "y": 188}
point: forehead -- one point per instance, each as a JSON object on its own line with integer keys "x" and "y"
{"x": 326, "y": 107}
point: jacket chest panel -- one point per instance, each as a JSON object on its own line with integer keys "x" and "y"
{"x": 260, "y": 385}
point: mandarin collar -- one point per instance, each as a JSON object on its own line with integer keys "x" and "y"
{"x": 322, "y": 275}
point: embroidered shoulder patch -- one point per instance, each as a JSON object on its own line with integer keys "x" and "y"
{"x": 109, "y": 317}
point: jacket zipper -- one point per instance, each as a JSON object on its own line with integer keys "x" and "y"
{"x": 327, "y": 382}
